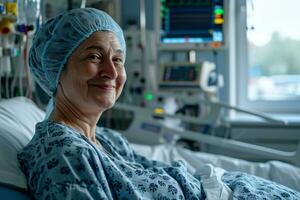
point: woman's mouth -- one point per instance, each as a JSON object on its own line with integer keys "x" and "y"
{"x": 104, "y": 86}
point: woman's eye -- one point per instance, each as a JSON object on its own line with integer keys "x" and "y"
{"x": 118, "y": 60}
{"x": 94, "y": 57}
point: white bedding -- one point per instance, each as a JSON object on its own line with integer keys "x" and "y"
{"x": 18, "y": 117}
{"x": 277, "y": 171}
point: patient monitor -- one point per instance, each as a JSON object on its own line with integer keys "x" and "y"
{"x": 188, "y": 77}
{"x": 190, "y": 24}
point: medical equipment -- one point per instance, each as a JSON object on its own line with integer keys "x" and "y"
{"x": 149, "y": 127}
{"x": 50, "y": 8}
{"x": 141, "y": 57}
{"x": 188, "y": 76}
{"x": 139, "y": 77}
{"x": 148, "y": 66}
{"x": 190, "y": 24}
{"x": 18, "y": 19}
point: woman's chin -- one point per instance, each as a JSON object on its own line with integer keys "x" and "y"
{"x": 104, "y": 105}
{"x": 104, "y": 101}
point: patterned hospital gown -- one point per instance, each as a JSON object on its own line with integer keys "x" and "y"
{"x": 61, "y": 163}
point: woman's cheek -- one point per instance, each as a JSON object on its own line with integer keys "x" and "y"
{"x": 123, "y": 76}
{"x": 90, "y": 70}
{"x": 121, "y": 82}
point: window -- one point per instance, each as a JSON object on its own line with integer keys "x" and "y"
{"x": 268, "y": 55}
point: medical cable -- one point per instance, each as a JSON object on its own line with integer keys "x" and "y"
{"x": 14, "y": 80}
{"x": 6, "y": 85}
{"x": 27, "y": 75}
{"x": 15, "y": 73}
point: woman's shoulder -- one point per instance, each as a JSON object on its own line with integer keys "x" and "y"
{"x": 52, "y": 143}
{"x": 56, "y": 134}
{"x": 51, "y": 137}
{"x": 50, "y": 129}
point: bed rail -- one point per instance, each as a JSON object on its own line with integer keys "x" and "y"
{"x": 145, "y": 127}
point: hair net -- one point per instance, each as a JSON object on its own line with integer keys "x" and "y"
{"x": 55, "y": 41}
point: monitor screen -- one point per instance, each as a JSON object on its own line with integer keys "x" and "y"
{"x": 180, "y": 73}
{"x": 180, "y": 76}
{"x": 191, "y": 21}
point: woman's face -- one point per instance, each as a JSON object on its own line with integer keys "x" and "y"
{"x": 94, "y": 76}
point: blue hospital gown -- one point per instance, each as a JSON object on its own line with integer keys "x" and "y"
{"x": 61, "y": 163}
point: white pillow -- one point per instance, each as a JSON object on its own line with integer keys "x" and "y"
{"x": 18, "y": 117}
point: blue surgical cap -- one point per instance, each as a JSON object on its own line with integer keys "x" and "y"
{"x": 56, "y": 40}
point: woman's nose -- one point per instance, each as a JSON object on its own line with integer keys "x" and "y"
{"x": 108, "y": 70}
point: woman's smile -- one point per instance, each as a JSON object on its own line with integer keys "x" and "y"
{"x": 106, "y": 87}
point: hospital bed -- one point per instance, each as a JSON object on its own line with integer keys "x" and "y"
{"x": 19, "y": 115}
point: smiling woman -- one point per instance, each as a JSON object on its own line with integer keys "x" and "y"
{"x": 93, "y": 78}
{"x": 91, "y": 82}
{"x": 78, "y": 58}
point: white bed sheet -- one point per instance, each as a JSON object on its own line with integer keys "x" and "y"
{"x": 276, "y": 171}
